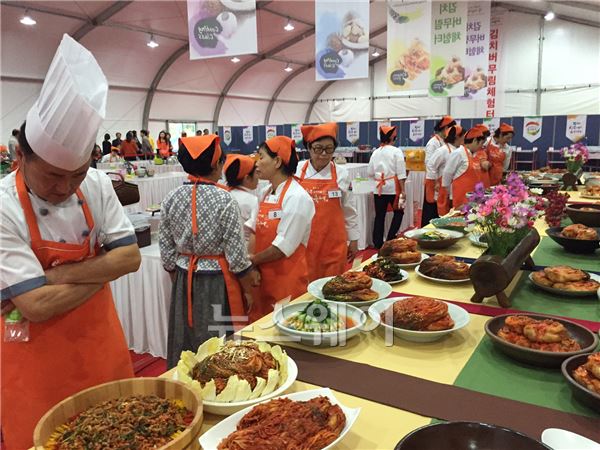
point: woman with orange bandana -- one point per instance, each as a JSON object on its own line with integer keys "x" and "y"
{"x": 388, "y": 169}
{"x": 462, "y": 171}
{"x": 481, "y": 157}
{"x": 437, "y": 163}
{"x": 334, "y": 230}
{"x": 203, "y": 247}
{"x": 281, "y": 226}
{"x": 242, "y": 179}
{"x": 499, "y": 152}
{"x": 436, "y": 141}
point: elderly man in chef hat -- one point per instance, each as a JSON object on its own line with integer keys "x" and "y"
{"x": 63, "y": 237}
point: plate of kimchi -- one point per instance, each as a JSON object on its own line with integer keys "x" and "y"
{"x": 289, "y": 421}
{"x": 353, "y": 288}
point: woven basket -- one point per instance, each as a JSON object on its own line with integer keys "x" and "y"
{"x": 161, "y": 387}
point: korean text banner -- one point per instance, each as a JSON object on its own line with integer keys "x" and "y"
{"x": 221, "y": 28}
{"x": 448, "y": 46}
{"x": 477, "y": 50}
{"x": 341, "y": 39}
{"x": 408, "y": 34}
{"x": 575, "y": 129}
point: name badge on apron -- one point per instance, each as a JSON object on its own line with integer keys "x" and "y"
{"x": 275, "y": 214}
{"x": 334, "y": 194}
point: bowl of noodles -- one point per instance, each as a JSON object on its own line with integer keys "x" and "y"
{"x": 131, "y": 413}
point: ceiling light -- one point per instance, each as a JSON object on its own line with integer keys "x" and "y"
{"x": 27, "y": 20}
{"x": 550, "y": 16}
{"x": 288, "y": 68}
{"x": 288, "y": 26}
{"x": 375, "y": 53}
{"x": 152, "y": 43}
{"x": 235, "y": 60}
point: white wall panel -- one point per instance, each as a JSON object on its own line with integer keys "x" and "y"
{"x": 243, "y": 112}
{"x": 286, "y": 112}
{"x": 341, "y": 111}
{"x": 579, "y": 101}
{"x": 17, "y": 98}
{"x": 410, "y": 107}
{"x": 348, "y": 89}
{"x": 519, "y": 36}
{"x": 182, "y": 107}
{"x": 521, "y": 104}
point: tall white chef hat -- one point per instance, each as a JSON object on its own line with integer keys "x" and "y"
{"x": 63, "y": 123}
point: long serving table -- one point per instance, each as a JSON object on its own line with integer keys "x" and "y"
{"x": 154, "y": 189}
{"x": 403, "y": 386}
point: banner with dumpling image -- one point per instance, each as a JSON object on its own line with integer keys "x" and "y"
{"x": 448, "y": 44}
{"x": 408, "y": 38}
{"x": 221, "y": 28}
{"x": 341, "y": 39}
{"x": 477, "y": 50}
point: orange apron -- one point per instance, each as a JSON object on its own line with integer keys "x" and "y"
{"x": 480, "y": 156}
{"x": 281, "y": 278}
{"x": 466, "y": 182}
{"x": 496, "y": 157}
{"x": 381, "y": 182}
{"x": 328, "y": 244}
{"x": 443, "y": 200}
{"x": 70, "y": 352}
{"x": 232, "y": 285}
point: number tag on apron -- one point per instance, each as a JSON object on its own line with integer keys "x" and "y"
{"x": 275, "y": 214}
{"x": 334, "y": 194}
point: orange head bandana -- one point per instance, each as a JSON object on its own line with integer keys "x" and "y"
{"x": 196, "y": 145}
{"x": 246, "y": 165}
{"x": 506, "y": 128}
{"x": 484, "y": 129}
{"x": 474, "y": 133}
{"x": 458, "y": 130}
{"x": 311, "y": 133}
{"x": 444, "y": 122}
{"x": 390, "y": 133}
{"x": 283, "y": 146}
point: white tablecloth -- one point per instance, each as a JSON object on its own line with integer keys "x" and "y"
{"x": 356, "y": 170}
{"x": 154, "y": 189}
{"x": 161, "y": 168}
{"x": 142, "y": 300}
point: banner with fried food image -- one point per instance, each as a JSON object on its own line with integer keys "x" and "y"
{"x": 408, "y": 34}
{"x": 448, "y": 46}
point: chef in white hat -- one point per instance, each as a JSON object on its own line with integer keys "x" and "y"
{"x": 64, "y": 236}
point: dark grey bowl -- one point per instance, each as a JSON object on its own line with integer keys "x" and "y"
{"x": 587, "y": 340}
{"x": 587, "y": 218}
{"x": 573, "y": 245}
{"x": 467, "y": 435}
{"x": 581, "y": 393}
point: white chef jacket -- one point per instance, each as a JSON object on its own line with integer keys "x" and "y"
{"x": 432, "y": 145}
{"x": 507, "y": 149}
{"x": 437, "y": 162}
{"x": 297, "y": 211}
{"x": 21, "y": 271}
{"x": 248, "y": 203}
{"x": 456, "y": 165}
{"x": 348, "y": 200}
{"x": 389, "y": 161}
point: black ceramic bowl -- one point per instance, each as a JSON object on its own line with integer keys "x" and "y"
{"x": 587, "y": 340}
{"x": 573, "y": 245}
{"x": 578, "y": 214}
{"x": 467, "y": 435}
{"x": 581, "y": 393}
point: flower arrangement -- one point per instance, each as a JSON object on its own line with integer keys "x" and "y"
{"x": 505, "y": 214}
{"x": 576, "y": 156}
{"x": 555, "y": 208}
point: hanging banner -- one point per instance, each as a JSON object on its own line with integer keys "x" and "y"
{"x": 492, "y": 123}
{"x": 417, "y": 130}
{"x": 493, "y": 88}
{"x": 270, "y": 131}
{"x": 297, "y": 134}
{"x": 448, "y": 45}
{"x": 341, "y": 39}
{"x": 352, "y": 132}
{"x": 408, "y": 39}
{"x": 576, "y": 127}
{"x": 477, "y": 50}
{"x": 227, "y": 135}
{"x": 221, "y": 28}
{"x": 532, "y": 128}
{"x": 248, "y": 135}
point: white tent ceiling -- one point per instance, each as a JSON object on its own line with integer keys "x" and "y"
{"x": 117, "y": 33}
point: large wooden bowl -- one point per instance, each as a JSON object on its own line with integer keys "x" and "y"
{"x": 161, "y": 387}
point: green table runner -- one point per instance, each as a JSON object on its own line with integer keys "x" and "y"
{"x": 491, "y": 372}
{"x": 549, "y": 253}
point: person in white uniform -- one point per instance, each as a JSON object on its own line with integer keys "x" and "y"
{"x": 436, "y": 141}
{"x": 242, "y": 179}
{"x": 64, "y": 237}
{"x": 388, "y": 169}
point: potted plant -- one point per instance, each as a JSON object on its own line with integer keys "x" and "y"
{"x": 576, "y": 156}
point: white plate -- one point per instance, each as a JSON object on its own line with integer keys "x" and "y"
{"x": 241, "y": 5}
{"x": 381, "y": 287}
{"x": 474, "y": 238}
{"x": 439, "y": 280}
{"x": 424, "y": 256}
{"x": 459, "y": 315}
{"x": 416, "y": 234}
{"x": 211, "y": 439}
{"x": 331, "y": 338}
{"x": 555, "y": 291}
{"x": 226, "y": 409}
{"x": 566, "y": 440}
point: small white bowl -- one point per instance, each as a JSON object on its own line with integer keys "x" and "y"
{"x": 566, "y": 440}
{"x": 330, "y": 338}
{"x": 459, "y": 316}
{"x": 315, "y": 288}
